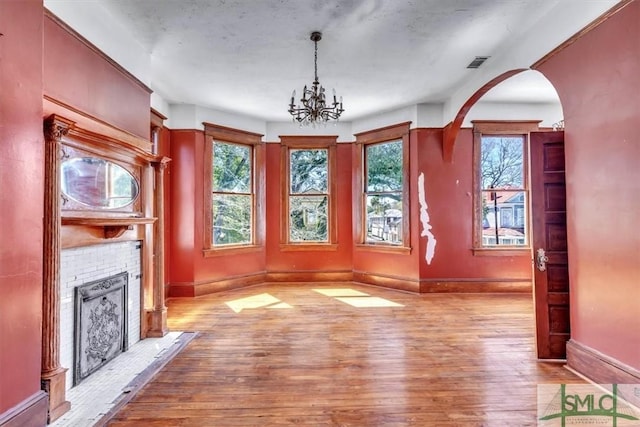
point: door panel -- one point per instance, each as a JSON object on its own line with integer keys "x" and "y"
{"x": 549, "y": 233}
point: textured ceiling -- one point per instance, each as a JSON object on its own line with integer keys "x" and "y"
{"x": 246, "y": 56}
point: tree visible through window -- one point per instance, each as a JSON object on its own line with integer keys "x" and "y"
{"x": 308, "y": 195}
{"x": 503, "y": 190}
{"x": 384, "y": 192}
{"x": 232, "y": 194}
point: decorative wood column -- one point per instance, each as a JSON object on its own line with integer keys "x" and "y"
{"x": 53, "y": 376}
{"x": 157, "y": 318}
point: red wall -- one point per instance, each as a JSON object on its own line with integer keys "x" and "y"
{"x": 598, "y": 80}
{"x": 21, "y": 200}
{"x": 86, "y": 80}
{"x": 396, "y": 266}
{"x": 189, "y": 267}
{"x": 184, "y": 146}
{"x": 449, "y": 196}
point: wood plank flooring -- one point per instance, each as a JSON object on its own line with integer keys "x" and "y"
{"x": 290, "y": 355}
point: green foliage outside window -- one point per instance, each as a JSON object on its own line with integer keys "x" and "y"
{"x": 308, "y": 195}
{"x": 383, "y": 188}
{"x": 232, "y": 194}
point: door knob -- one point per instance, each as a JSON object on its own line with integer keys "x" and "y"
{"x": 541, "y": 260}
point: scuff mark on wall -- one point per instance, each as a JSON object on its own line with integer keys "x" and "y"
{"x": 424, "y": 219}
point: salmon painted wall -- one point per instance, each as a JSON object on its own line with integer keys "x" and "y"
{"x": 185, "y": 148}
{"x": 308, "y": 261}
{"x": 388, "y": 264}
{"x": 21, "y": 200}
{"x": 449, "y": 197}
{"x": 598, "y": 80}
{"x": 189, "y": 267}
{"x": 84, "y": 79}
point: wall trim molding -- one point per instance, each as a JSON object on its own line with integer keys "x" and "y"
{"x": 406, "y": 284}
{"x": 191, "y": 289}
{"x": 598, "y": 367}
{"x": 476, "y": 285}
{"x": 31, "y": 412}
{"x": 309, "y": 276}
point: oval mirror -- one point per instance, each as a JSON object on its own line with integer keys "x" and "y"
{"x": 97, "y": 183}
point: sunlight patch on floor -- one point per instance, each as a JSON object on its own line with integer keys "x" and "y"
{"x": 341, "y": 292}
{"x": 356, "y": 298}
{"x": 361, "y": 302}
{"x": 256, "y": 301}
{"x": 280, "y": 305}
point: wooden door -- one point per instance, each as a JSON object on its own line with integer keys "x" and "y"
{"x": 549, "y": 242}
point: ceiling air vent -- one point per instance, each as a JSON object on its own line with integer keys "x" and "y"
{"x": 476, "y": 63}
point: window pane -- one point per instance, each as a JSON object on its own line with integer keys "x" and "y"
{"x": 509, "y": 208}
{"x": 308, "y": 218}
{"x": 231, "y": 168}
{"x": 384, "y": 167}
{"x": 384, "y": 218}
{"x": 308, "y": 171}
{"x": 501, "y": 160}
{"x": 231, "y": 219}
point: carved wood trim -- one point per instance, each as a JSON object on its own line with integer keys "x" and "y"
{"x": 387, "y": 133}
{"x": 227, "y": 134}
{"x": 53, "y": 375}
{"x": 158, "y": 317}
{"x": 89, "y": 124}
{"x": 112, "y": 227}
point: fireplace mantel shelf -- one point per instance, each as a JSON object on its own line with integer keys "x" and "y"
{"x": 113, "y": 226}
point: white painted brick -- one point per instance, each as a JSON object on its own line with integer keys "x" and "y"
{"x": 82, "y": 265}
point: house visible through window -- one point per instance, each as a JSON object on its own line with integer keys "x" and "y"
{"x": 382, "y": 216}
{"x": 232, "y": 194}
{"x": 309, "y": 195}
{"x": 309, "y": 211}
{"x": 503, "y": 190}
{"x": 384, "y": 183}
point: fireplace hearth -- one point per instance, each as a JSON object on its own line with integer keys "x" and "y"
{"x": 100, "y": 324}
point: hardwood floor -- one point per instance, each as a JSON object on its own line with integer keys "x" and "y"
{"x": 299, "y": 357}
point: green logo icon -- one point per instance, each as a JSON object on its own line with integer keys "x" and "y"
{"x": 579, "y": 404}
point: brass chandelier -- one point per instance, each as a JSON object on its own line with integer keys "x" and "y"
{"x": 313, "y": 107}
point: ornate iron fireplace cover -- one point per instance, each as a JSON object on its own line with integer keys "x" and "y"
{"x": 100, "y": 331}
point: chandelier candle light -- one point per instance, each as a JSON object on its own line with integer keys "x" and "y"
{"x": 313, "y": 107}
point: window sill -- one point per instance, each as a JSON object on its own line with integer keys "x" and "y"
{"x": 230, "y": 250}
{"x": 299, "y": 247}
{"x": 510, "y": 251}
{"x": 404, "y": 250}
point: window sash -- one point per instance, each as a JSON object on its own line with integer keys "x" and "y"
{"x": 500, "y": 204}
{"x": 236, "y": 229}
{"x": 309, "y": 208}
{"x": 383, "y": 198}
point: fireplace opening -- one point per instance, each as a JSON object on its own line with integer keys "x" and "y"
{"x": 100, "y": 332}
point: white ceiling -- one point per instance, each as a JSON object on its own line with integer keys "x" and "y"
{"x": 246, "y": 56}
